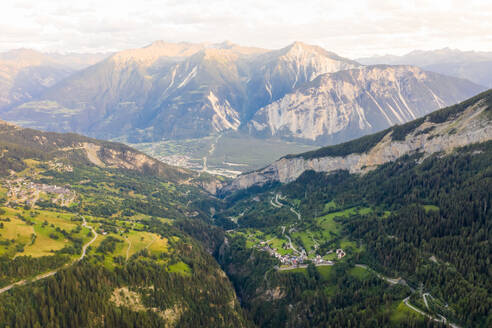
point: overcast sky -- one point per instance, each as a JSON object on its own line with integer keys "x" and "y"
{"x": 351, "y": 28}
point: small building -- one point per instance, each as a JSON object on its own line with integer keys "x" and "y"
{"x": 340, "y": 253}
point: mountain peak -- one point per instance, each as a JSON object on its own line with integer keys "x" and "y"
{"x": 298, "y": 46}
{"x": 300, "y": 49}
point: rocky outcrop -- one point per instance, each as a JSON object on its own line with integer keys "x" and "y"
{"x": 471, "y": 126}
{"x": 345, "y": 105}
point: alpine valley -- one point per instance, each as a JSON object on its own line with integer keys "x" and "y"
{"x": 311, "y": 191}
{"x": 165, "y": 97}
{"x": 388, "y": 230}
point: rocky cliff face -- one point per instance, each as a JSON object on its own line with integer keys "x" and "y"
{"x": 348, "y": 104}
{"x": 276, "y": 73}
{"x": 471, "y": 123}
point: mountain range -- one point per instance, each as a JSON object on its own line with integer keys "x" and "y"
{"x": 348, "y": 104}
{"x": 471, "y": 65}
{"x": 181, "y": 90}
{"x": 441, "y": 131}
{"x": 25, "y": 73}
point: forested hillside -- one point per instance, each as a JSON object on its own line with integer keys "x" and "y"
{"x": 91, "y": 235}
{"x": 411, "y": 228}
{"x": 395, "y": 231}
{"x": 97, "y": 234}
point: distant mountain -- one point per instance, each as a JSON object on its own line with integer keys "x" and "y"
{"x": 25, "y": 73}
{"x": 348, "y": 104}
{"x": 441, "y": 131}
{"x": 279, "y": 72}
{"x": 471, "y": 65}
{"x": 185, "y": 90}
{"x": 174, "y": 90}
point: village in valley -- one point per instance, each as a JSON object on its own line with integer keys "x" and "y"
{"x": 290, "y": 261}
{"x": 289, "y": 244}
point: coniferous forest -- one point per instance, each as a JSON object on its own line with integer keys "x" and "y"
{"x": 96, "y": 239}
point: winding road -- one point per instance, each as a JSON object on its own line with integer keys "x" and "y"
{"x": 84, "y": 248}
{"x": 53, "y": 272}
{"x": 442, "y": 319}
{"x": 296, "y": 213}
{"x": 406, "y": 301}
{"x": 274, "y": 201}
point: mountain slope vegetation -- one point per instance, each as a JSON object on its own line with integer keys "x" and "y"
{"x": 91, "y": 236}
{"x": 404, "y": 243}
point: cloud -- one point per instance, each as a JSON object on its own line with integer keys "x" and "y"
{"x": 351, "y": 28}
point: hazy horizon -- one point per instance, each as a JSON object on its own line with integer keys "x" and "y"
{"x": 177, "y": 42}
{"x": 352, "y": 29}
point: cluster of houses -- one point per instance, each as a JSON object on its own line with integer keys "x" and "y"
{"x": 295, "y": 260}
{"x": 20, "y": 190}
{"x": 288, "y": 259}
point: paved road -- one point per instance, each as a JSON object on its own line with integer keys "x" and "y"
{"x": 296, "y": 213}
{"x": 406, "y": 301}
{"x": 277, "y": 204}
{"x": 84, "y": 248}
{"x": 53, "y": 272}
{"x": 274, "y": 204}
{"x": 303, "y": 266}
{"x": 442, "y": 319}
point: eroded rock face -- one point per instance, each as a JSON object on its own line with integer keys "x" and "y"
{"x": 126, "y": 158}
{"x": 348, "y": 104}
{"x": 472, "y": 126}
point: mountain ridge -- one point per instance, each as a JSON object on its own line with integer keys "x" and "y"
{"x": 103, "y": 154}
{"x": 178, "y": 91}
{"x": 472, "y": 65}
{"x": 171, "y": 83}
{"x": 340, "y": 106}
{"x": 443, "y": 130}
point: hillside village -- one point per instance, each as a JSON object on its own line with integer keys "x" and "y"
{"x": 26, "y": 192}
